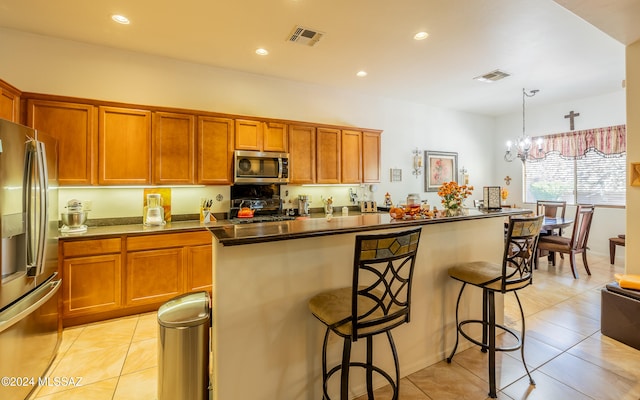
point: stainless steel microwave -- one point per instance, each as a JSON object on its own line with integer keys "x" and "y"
{"x": 261, "y": 167}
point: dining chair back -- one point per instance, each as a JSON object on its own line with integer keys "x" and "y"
{"x": 551, "y": 209}
{"x": 578, "y": 241}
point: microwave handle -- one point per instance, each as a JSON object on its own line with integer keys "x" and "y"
{"x": 280, "y": 167}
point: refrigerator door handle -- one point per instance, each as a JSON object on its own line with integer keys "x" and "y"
{"x": 28, "y": 207}
{"x": 43, "y": 217}
{"x": 29, "y": 304}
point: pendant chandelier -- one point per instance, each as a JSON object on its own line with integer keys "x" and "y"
{"x": 520, "y": 147}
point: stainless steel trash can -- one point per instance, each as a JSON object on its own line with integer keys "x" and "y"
{"x": 183, "y": 347}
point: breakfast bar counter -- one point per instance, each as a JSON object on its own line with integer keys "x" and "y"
{"x": 265, "y": 342}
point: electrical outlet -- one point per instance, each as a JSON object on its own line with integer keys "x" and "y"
{"x": 86, "y": 205}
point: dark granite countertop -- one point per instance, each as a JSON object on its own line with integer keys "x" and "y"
{"x": 132, "y": 229}
{"x": 233, "y": 235}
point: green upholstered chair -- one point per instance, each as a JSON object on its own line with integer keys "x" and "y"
{"x": 514, "y": 273}
{"x": 378, "y": 300}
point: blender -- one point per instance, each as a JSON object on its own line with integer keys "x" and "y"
{"x": 153, "y": 211}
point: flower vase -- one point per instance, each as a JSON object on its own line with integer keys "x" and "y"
{"x": 452, "y": 212}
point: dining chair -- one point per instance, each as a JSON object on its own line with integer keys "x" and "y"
{"x": 378, "y": 301}
{"x": 552, "y": 209}
{"x": 577, "y": 243}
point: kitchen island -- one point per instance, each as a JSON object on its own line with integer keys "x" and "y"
{"x": 265, "y": 342}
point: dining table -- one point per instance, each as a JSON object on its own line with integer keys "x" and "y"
{"x": 549, "y": 224}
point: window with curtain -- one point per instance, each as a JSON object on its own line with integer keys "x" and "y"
{"x": 579, "y": 167}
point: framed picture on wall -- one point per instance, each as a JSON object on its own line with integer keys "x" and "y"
{"x": 440, "y": 167}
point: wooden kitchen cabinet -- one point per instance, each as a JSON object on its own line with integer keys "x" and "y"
{"x": 248, "y": 135}
{"x": 351, "y": 156}
{"x": 371, "y": 157}
{"x": 124, "y": 137}
{"x": 74, "y": 127}
{"x": 215, "y": 144}
{"x": 328, "y": 155}
{"x": 302, "y": 154}
{"x": 154, "y": 276}
{"x": 173, "y": 146}
{"x": 260, "y": 136}
{"x": 199, "y": 267}
{"x": 91, "y": 277}
{"x": 126, "y": 275}
{"x": 275, "y": 137}
{"x": 9, "y": 102}
{"x": 160, "y": 267}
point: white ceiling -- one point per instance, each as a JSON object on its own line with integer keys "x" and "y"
{"x": 541, "y": 44}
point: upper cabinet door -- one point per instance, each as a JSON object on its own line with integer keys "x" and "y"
{"x": 370, "y": 157}
{"x": 124, "y": 136}
{"x": 215, "y": 151}
{"x": 248, "y": 135}
{"x": 328, "y": 155}
{"x": 9, "y": 102}
{"x": 74, "y": 127}
{"x": 173, "y": 148}
{"x": 275, "y": 137}
{"x": 351, "y": 156}
{"x": 302, "y": 154}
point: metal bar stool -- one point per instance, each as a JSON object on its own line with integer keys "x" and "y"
{"x": 378, "y": 301}
{"x": 514, "y": 273}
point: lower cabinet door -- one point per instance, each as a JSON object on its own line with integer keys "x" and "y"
{"x": 91, "y": 284}
{"x": 199, "y": 270}
{"x": 154, "y": 276}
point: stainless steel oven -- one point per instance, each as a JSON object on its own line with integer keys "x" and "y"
{"x": 261, "y": 167}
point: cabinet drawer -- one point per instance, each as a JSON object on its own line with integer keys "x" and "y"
{"x": 77, "y": 248}
{"x": 165, "y": 240}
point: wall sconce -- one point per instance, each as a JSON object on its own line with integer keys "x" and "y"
{"x": 417, "y": 163}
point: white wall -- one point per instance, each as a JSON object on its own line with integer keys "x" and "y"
{"x": 45, "y": 65}
{"x": 632, "y": 252}
{"x": 595, "y": 112}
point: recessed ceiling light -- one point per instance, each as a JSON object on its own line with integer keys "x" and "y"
{"x": 261, "y": 52}
{"x": 121, "y": 19}
{"x": 420, "y": 35}
{"x": 362, "y": 74}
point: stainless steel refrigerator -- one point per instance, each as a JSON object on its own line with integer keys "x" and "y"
{"x": 30, "y": 329}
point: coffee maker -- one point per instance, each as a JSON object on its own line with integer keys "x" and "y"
{"x": 303, "y": 205}
{"x": 153, "y": 211}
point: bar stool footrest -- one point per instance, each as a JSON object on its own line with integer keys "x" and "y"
{"x": 379, "y": 370}
{"x": 484, "y": 346}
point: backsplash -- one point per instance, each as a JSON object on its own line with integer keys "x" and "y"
{"x": 121, "y": 205}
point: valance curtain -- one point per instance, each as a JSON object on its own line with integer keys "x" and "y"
{"x": 609, "y": 141}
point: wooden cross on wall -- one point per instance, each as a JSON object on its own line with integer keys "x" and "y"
{"x": 571, "y": 116}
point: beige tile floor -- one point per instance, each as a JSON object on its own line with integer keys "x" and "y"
{"x": 565, "y": 351}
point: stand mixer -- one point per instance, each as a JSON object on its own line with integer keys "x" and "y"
{"x": 73, "y": 220}
{"x": 153, "y": 211}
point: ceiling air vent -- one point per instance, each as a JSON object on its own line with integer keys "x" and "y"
{"x": 306, "y": 36}
{"x": 492, "y": 76}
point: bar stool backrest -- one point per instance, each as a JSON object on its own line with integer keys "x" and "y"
{"x": 519, "y": 251}
{"x": 382, "y": 275}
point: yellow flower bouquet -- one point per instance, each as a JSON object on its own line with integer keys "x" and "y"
{"x": 453, "y": 195}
